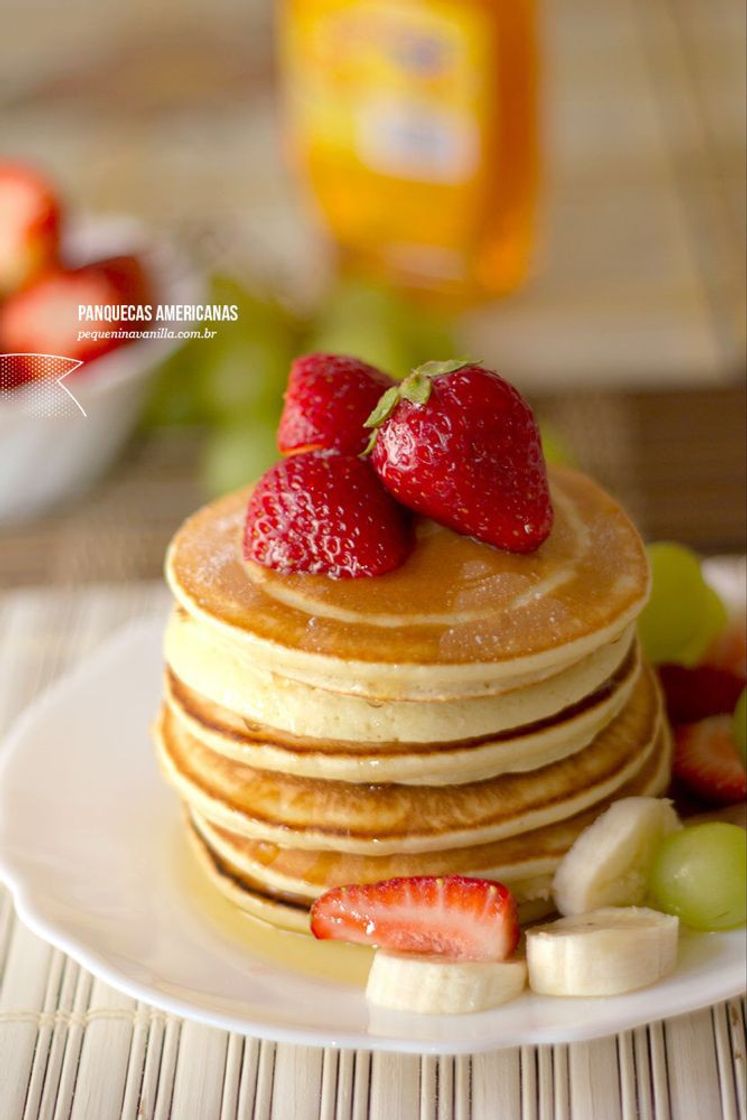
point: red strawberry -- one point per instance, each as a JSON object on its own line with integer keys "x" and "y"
{"x": 454, "y": 917}
{"x": 707, "y": 763}
{"x": 15, "y": 370}
{"x": 29, "y": 226}
{"x": 327, "y": 402}
{"x": 695, "y": 694}
{"x": 729, "y": 650}
{"x": 127, "y": 276}
{"x": 43, "y": 318}
{"x": 325, "y": 513}
{"x": 456, "y": 442}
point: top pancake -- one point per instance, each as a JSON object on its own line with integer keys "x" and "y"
{"x": 458, "y": 617}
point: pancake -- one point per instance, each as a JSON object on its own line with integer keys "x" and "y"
{"x": 457, "y": 619}
{"x": 368, "y": 819}
{"x": 295, "y": 916}
{"x": 526, "y": 748}
{"x": 470, "y": 712}
{"x": 233, "y": 680}
{"x": 265, "y": 907}
{"x": 300, "y": 875}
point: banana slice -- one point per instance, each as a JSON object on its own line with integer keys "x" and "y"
{"x": 609, "y": 863}
{"x": 440, "y": 987}
{"x": 604, "y": 953}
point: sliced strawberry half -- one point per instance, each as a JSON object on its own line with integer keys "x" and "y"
{"x": 127, "y": 276}
{"x": 695, "y": 694}
{"x": 455, "y": 917}
{"x": 729, "y": 650}
{"x": 325, "y": 514}
{"x": 29, "y": 226}
{"x": 328, "y": 399}
{"x": 707, "y": 762}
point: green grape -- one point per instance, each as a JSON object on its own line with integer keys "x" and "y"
{"x": 375, "y": 322}
{"x": 740, "y": 724}
{"x": 174, "y": 397}
{"x": 366, "y": 320}
{"x": 429, "y": 336}
{"x": 700, "y": 874}
{"x": 674, "y": 617}
{"x": 555, "y": 446}
{"x": 244, "y": 373}
{"x": 356, "y": 297}
{"x": 712, "y": 621}
{"x": 244, "y": 369}
{"x": 379, "y": 346}
{"x": 227, "y": 289}
{"x": 235, "y": 456}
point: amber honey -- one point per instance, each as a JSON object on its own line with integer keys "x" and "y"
{"x": 298, "y": 952}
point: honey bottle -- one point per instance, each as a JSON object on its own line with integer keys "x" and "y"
{"x": 412, "y": 125}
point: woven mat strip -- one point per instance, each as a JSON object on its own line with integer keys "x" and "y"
{"x": 73, "y": 1048}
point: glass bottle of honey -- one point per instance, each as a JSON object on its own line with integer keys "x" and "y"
{"x": 413, "y": 125}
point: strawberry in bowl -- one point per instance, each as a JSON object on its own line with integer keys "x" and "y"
{"x": 30, "y": 219}
{"x": 44, "y": 318}
{"x": 56, "y": 439}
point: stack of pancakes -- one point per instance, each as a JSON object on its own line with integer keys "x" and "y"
{"x": 468, "y": 713}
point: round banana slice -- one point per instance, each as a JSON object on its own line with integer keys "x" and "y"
{"x": 435, "y": 986}
{"x": 603, "y": 953}
{"x": 609, "y": 863}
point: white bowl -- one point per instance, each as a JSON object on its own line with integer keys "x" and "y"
{"x": 50, "y": 458}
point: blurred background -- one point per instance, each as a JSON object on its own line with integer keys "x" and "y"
{"x": 557, "y": 189}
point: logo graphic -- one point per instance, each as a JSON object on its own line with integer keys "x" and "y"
{"x": 35, "y": 383}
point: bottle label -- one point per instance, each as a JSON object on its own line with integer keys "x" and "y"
{"x": 402, "y": 89}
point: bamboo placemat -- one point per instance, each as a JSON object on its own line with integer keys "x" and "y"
{"x": 72, "y": 1048}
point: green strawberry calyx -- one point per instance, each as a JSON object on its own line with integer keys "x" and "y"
{"x": 415, "y": 388}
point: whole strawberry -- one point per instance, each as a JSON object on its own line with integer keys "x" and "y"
{"x": 327, "y": 402}
{"x": 459, "y": 444}
{"x": 327, "y": 514}
{"x": 29, "y": 226}
{"x": 43, "y": 318}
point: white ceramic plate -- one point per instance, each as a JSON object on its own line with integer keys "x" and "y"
{"x": 92, "y": 847}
